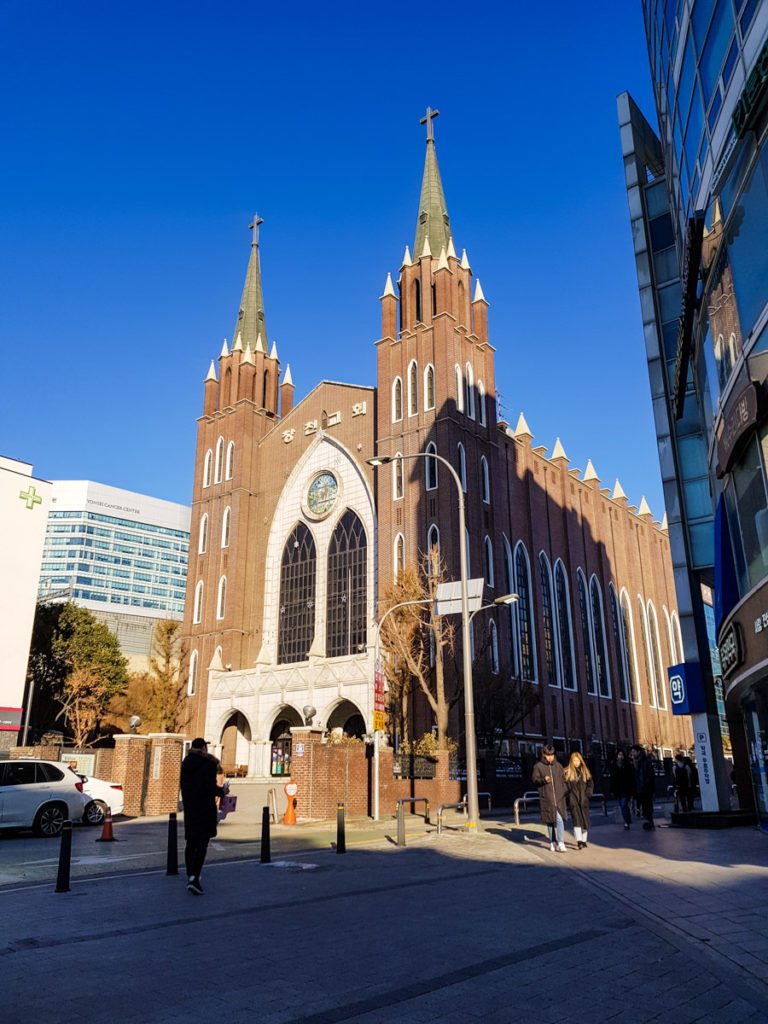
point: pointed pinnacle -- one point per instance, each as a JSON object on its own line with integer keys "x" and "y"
{"x": 407, "y": 261}
{"x": 442, "y": 263}
{"x": 426, "y": 251}
{"x": 287, "y": 378}
{"x": 238, "y": 346}
{"x": 589, "y": 472}
{"x": 273, "y": 353}
{"x": 248, "y": 357}
{"x": 664, "y": 524}
{"x": 479, "y": 297}
{"x": 522, "y": 429}
{"x": 224, "y": 350}
{"x": 211, "y": 373}
{"x": 644, "y": 510}
{"x": 260, "y": 345}
{"x": 558, "y": 452}
{"x": 388, "y": 288}
{"x": 451, "y": 249}
{"x": 464, "y": 261}
{"x": 618, "y": 491}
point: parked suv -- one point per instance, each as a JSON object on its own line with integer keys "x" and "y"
{"x": 40, "y": 795}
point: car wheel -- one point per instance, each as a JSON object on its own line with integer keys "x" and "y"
{"x": 49, "y": 821}
{"x": 95, "y": 812}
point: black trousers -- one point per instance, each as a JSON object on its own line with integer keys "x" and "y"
{"x": 194, "y": 856}
{"x": 646, "y": 806}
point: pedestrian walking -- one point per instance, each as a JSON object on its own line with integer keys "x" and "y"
{"x": 199, "y": 790}
{"x": 623, "y": 785}
{"x": 645, "y": 784}
{"x": 682, "y": 776}
{"x": 579, "y": 787}
{"x": 547, "y": 777}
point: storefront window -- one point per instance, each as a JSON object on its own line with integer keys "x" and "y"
{"x": 746, "y": 502}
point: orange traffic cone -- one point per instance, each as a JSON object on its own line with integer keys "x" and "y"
{"x": 107, "y": 835}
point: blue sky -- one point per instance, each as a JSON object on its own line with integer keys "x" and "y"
{"x": 140, "y": 138}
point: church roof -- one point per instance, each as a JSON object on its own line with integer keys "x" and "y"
{"x": 433, "y": 226}
{"x": 250, "y": 317}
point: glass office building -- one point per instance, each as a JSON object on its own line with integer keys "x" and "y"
{"x": 697, "y": 185}
{"x": 121, "y": 555}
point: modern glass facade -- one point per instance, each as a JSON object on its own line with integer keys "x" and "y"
{"x": 698, "y": 196}
{"x": 112, "y": 550}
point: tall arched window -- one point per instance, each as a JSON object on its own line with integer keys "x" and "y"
{"x": 433, "y": 541}
{"x": 207, "y": 468}
{"x": 346, "y": 610}
{"x": 488, "y": 561}
{"x": 550, "y": 638}
{"x": 631, "y": 651}
{"x": 298, "y": 572}
{"x": 192, "y": 678}
{"x": 658, "y": 662}
{"x": 197, "y": 607}
{"x": 586, "y": 633}
{"x": 601, "y": 651}
{"x": 397, "y": 400}
{"x": 462, "y": 466}
{"x": 221, "y": 598}
{"x": 459, "y": 388}
{"x": 564, "y": 627}
{"x": 620, "y": 645}
{"x": 509, "y": 583}
{"x": 227, "y": 398}
{"x": 230, "y": 467}
{"x": 219, "y": 461}
{"x": 481, "y": 413}
{"x": 676, "y": 632}
{"x": 397, "y": 476}
{"x": 429, "y": 387}
{"x": 413, "y": 388}
{"x": 524, "y": 608}
{"x": 202, "y": 543}
{"x": 416, "y": 292}
{"x": 225, "y": 525}
{"x": 470, "y": 382}
{"x": 493, "y": 648}
{"x": 485, "y": 483}
{"x": 399, "y": 554}
{"x": 430, "y": 467}
{"x": 650, "y": 677}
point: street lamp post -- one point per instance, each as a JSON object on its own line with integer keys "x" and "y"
{"x": 470, "y": 741}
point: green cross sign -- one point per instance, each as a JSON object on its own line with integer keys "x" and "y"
{"x": 31, "y": 497}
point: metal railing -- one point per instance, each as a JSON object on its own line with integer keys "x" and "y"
{"x": 401, "y": 815}
{"x": 272, "y": 802}
{"x": 462, "y": 805}
{"x": 464, "y": 800}
{"x": 532, "y": 796}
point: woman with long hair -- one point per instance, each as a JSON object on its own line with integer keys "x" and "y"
{"x": 578, "y": 789}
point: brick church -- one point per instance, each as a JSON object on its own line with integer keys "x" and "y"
{"x": 295, "y": 537}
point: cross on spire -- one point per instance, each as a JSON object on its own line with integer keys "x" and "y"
{"x": 255, "y": 228}
{"x": 427, "y": 120}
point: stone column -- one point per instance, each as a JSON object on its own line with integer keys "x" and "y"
{"x": 162, "y": 785}
{"x": 304, "y": 738}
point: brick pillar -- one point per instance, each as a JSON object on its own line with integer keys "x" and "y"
{"x": 162, "y": 786}
{"x": 128, "y": 769}
{"x": 307, "y": 741}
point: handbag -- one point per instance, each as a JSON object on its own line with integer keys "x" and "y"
{"x": 227, "y": 804}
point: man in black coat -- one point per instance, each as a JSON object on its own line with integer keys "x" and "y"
{"x": 198, "y": 794}
{"x": 645, "y": 784}
{"x": 623, "y": 784}
{"x": 547, "y": 777}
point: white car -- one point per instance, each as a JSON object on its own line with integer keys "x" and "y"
{"x": 40, "y": 795}
{"x": 100, "y": 796}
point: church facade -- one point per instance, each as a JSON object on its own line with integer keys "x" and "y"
{"x": 295, "y": 537}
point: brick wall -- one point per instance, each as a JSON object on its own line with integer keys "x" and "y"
{"x": 162, "y": 785}
{"x": 129, "y": 769}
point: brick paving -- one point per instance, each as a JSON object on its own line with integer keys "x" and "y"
{"x": 662, "y": 927}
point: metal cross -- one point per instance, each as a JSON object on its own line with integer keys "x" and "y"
{"x": 427, "y": 120}
{"x": 255, "y": 227}
{"x": 31, "y": 497}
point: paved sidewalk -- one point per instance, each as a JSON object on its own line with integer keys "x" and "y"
{"x": 668, "y": 926}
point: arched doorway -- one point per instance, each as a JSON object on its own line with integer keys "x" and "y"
{"x": 346, "y": 716}
{"x": 280, "y": 741}
{"x": 235, "y": 744}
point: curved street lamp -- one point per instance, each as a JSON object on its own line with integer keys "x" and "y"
{"x": 470, "y": 741}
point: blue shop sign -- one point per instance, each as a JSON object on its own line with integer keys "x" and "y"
{"x": 686, "y": 690}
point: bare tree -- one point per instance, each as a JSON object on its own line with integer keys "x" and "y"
{"x": 83, "y": 699}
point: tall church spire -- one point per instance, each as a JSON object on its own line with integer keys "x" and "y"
{"x": 250, "y": 318}
{"x": 433, "y": 225}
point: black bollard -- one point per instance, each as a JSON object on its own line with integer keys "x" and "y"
{"x": 65, "y": 858}
{"x": 341, "y": 842}
{"x": 172, "y": 863}
{"x": 400, "y": 825}
{"x": 265, "y": 853}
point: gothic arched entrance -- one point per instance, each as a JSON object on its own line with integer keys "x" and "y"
{"x": 346, "y": 716}
{"x": 235, "y": 744}
{"x": 281, "y": 742}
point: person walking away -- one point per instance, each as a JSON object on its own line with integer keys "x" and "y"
{"x": 199, "y": 790}
{"x": 547, "y": 777}
{"x": 693, "y": 780}
{"x": 623, "y": 785}
{"x": 682, "y": 778}
{"x": 645, "y": 784}
{"x": 579, "y": 787}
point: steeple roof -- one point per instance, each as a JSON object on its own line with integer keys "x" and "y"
{"x": 433, "y": 225}
{"x": 250, "y": 318}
